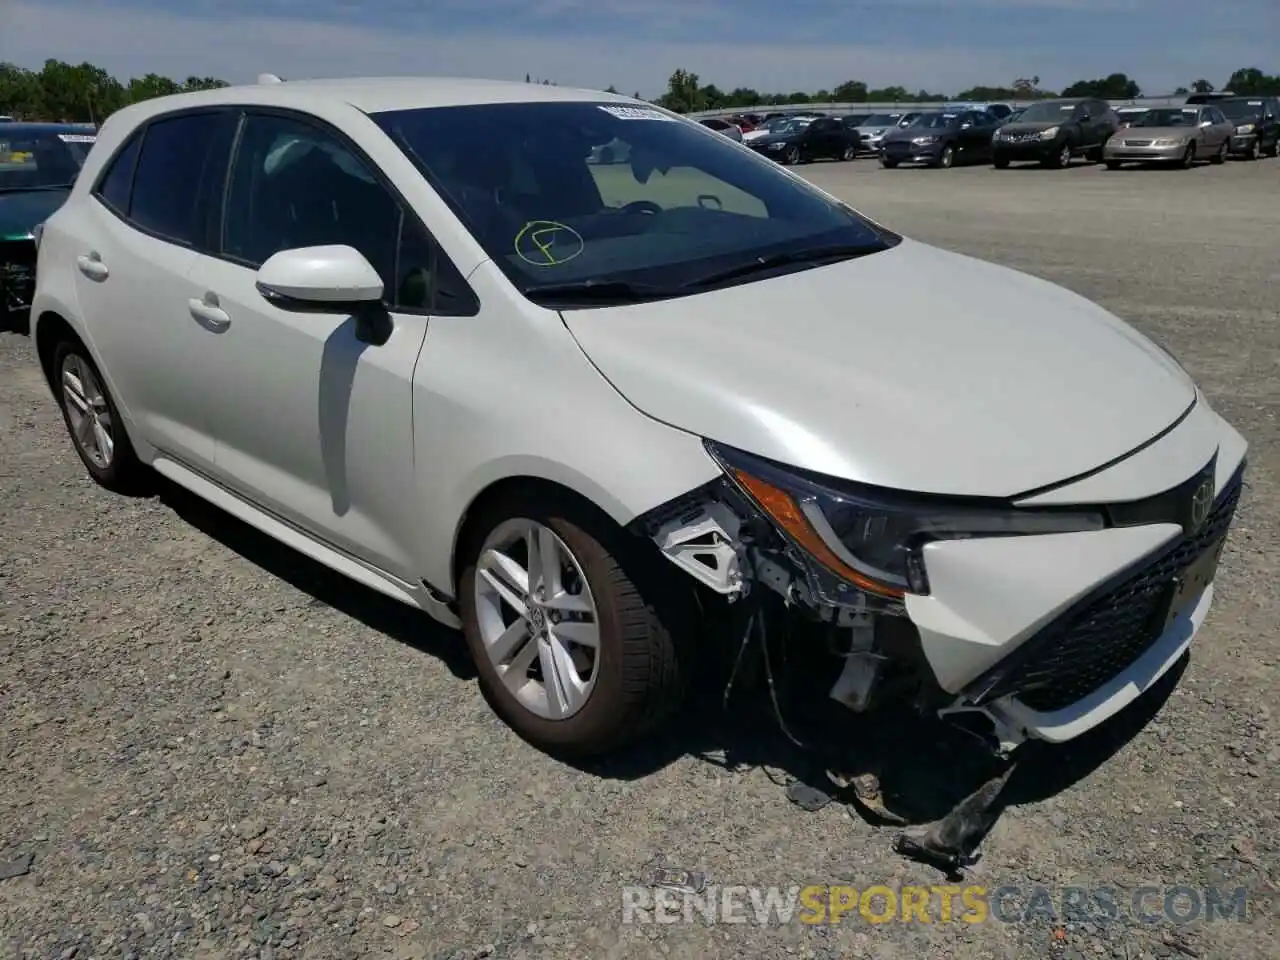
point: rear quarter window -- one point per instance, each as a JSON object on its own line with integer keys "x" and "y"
{"x": 116, "y": 184}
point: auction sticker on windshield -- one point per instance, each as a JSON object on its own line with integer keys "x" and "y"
{"x": 637, "y": 113}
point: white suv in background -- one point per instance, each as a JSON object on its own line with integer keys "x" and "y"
{"x": 409, "y": 328}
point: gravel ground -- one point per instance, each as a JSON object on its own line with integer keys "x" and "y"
{"x": 209, "y": 747}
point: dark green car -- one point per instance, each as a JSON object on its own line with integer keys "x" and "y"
{"x": 38, "y": 164}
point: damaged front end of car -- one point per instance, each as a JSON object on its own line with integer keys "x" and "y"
{"x": 846, "y": 557}
{"x": 17, "y": 279}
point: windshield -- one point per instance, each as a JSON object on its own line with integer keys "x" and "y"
{"x": 882, "y": 119}
{"x": 1050, "y": 111}
{"x": 1240, "y": 109}
{"x": 527, "y": 181}
{"x": 934, "y": 121}
{"x": 1168, "y": 117}
{"x": 35, "y": 159}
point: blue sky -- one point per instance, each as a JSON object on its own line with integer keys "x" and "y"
{"x": 635, "y": 44}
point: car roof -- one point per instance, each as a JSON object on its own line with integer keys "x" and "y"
{"x": 377, "y": 94}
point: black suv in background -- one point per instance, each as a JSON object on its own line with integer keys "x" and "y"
{"x": 1051, "y": 132}
{"x": 1257, "y": 121}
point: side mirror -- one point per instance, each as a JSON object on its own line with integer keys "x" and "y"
{"x": 317, "y": 276}
{"x": 1085, "y": 118}
{"x": 1206, "y": 123}
{"x": 965, "y": 126}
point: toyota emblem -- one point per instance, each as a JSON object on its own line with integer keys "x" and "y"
{"x": 1201, "y": 504}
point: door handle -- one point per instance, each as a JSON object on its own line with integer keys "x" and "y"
{"x": 208, "y": 314}
{"x": 92, "y": 266}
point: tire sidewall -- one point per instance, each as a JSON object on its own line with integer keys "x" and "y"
{"x": 114, "y": 472}
{"x": 600, "y": 720}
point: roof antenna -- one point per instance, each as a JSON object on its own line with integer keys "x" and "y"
{"x": 269, "y": 78}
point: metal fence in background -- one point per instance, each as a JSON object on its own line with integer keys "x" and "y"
{"x": 885, "y": 107}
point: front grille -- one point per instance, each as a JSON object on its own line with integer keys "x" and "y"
{"x": 1088, "y": 645}
{"x": 1137, "y": 143}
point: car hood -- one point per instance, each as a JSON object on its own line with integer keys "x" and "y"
{"x": 914, "y": 368}
{"x": 909, "y": 133}
{"x": 876, "y": 131}
{"x": 21, "y": 210}
{"x": 1019, "y": 127}
{"x": 1157, "y": 133}
{"x": 773, "y": 138}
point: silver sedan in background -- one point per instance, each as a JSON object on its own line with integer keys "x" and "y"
{"x": 1179, "y": 135}
{"x": 730, "y": 130}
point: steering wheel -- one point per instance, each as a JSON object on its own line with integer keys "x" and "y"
{"x": 640, "y": 206}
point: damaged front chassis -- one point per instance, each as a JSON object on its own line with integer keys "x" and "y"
{"x": 17, "y": 280}
{"x": 720, "y": 538}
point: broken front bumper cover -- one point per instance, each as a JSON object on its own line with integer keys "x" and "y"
{"x": 1044, "y": 635}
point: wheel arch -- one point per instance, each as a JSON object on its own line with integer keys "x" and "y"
{"x": 49, "y": 329}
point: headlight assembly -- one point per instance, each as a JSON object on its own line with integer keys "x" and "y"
{"x": 1049, "y": 134}
{"x": 1245, "y": 128}
{"x": 870, "y": 539}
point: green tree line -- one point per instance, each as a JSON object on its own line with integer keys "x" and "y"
{"x": 686, "y": 93}
{"x": 81, "y": 93}
{"x": 85, "y": 92}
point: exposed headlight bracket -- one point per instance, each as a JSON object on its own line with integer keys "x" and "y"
{"x": 706, "y": 546}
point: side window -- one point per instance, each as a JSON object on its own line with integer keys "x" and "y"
{"x": 296, "y": 185}
{"x": 116, "y": 185}
{"x": 169, "y": 168}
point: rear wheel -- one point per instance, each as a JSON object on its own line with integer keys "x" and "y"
{"x": 92, "y": 419}
{"x": 570, "y": 652}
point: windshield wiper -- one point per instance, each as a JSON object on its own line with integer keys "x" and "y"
{"x": 31, "y": 189}
{"x": 616, "y": 291}
{"x": 831, "y": 253}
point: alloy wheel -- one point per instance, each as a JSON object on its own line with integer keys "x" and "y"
{"x": 1189, "y": 158}
{"x": 947, "y": 158}
{"x": 1064, "y": 158}
{"x": 848, "y": 153}
{"x": 537, "y": 618}
{"x": 85, "y": 400}
{"x": 793, "y": 155}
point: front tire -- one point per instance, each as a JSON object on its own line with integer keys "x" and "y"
{"x": 571, "y": 651}
{"x": 1113, "y": 164}
{"x": 946, "y": 158}
{"x": 1255, "y": 150}
{"x": 1189, "y": 158}
{"x": 1061, "y": 159}
{"x": 848, "y": 153}
{"x": 1221, "y": 156}
{"x": 93, "y": 420}
{"x": 1000, "y": 163}
{"x": 888, "y": 164}
{"x": 791, "y": 156}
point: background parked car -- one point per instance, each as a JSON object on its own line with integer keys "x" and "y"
{"x": 775, "y": 124}
{"x": 872, "y": 130}
{"x": 1257, "y": 125}
{"x": 1180, "y": 135}
{"x": 730, "y": 130}
{"x": 1051, "y": 132}
{"x": 39, "y": 162}
{"x": 854, "y": 120}
{"x": 940, "y": 138}
{"x": 808, "y": 139}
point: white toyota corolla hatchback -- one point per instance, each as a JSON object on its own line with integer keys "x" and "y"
{"x": 433, "y": 334}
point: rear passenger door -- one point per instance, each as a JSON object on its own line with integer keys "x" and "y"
{"x": 313, "y": 418}
{"x": 148, "y": 218}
